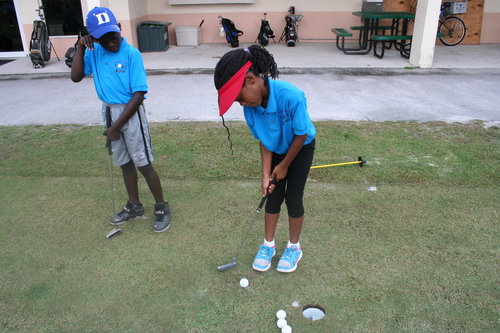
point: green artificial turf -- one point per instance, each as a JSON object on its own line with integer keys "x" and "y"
{"x": 419, "y": 254}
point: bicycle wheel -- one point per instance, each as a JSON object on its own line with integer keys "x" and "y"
{"x": 451, "y": 31}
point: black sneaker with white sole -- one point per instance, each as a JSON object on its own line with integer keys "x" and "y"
{"x": 162, "y": 213}
{"x": 130, "y": 211}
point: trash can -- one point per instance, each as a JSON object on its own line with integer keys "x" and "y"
{"x": 153, "y": 36}
{"x": 372, "y": 5}
{"x": 188, "y": 35}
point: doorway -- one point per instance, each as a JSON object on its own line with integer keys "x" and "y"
{"x": 11, "y": 41}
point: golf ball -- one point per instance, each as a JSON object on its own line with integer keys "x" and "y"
{"x": 286, "y": 329}
{"x": 244, "y": 282}
{"x": 281, "y": 323}
{"x": 281, "y": 314}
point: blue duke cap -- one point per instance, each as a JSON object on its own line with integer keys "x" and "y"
{"x": 100, "y": 21}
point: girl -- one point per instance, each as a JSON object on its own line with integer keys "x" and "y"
{"x": 276, "y": 114}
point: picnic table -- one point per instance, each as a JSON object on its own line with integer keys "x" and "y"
{"x": 371, "y": 33}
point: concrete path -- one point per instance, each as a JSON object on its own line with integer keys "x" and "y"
{"x": 466, "y": 89}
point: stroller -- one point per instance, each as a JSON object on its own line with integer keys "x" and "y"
{"x": 232, "y": 33}
{"x": 290, "y": 33}
{"x": 265, "y": 32}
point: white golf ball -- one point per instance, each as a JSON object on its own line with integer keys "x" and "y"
{"x": 281, "y": 314}
{"x": 281, "y": 323}
{"x": 286, "y": 329}
{"x": 244, "y": 282}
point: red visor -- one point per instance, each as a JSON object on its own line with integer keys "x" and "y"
{"x": 230, "y": 90}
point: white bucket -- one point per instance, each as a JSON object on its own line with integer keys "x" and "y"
{"x": 188, "y": 35}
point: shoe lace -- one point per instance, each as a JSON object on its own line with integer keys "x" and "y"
{"x": 287, "y": 255}
{"x": 124, "y": 211}
{"x": 265, "y": 252}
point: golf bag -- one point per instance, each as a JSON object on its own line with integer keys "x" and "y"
{"x": 232, "y": 33}
{"x": 70, "y": 54}
{"x": 290, "y": 33}
{"x": 265, "y": 33}
{"x": 40, "y": 45}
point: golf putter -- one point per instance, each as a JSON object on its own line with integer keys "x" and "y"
{"x": 232, "y": 264}
{"x": 116, "y": 230}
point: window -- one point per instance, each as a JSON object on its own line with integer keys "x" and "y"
{"x": 63, "y": 17}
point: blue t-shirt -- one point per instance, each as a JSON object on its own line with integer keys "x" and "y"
{"x": 285, "y": 117}
{"x": 116, "y": 75}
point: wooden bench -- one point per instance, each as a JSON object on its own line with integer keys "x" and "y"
{"x": 405, "y": 52}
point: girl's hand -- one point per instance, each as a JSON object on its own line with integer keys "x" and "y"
{"x": 267, "y": 186}
{"x": 279, "y": 173}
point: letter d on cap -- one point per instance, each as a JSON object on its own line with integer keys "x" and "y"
{"x": 102, "y": 18}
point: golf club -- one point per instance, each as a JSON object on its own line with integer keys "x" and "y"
{"x": 116, "y": 230}
{"x": 360, "y": 161}
{"x": 232, "y": 264}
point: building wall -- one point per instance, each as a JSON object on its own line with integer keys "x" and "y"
{"x": 490, "y": 32}
{"x": 319, "y": 17}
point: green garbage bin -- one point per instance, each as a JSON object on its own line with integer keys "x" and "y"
{"x": 153, "y": 36}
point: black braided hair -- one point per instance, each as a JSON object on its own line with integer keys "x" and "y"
{"x": 262, "y": 64}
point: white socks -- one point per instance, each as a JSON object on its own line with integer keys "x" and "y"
{"x": 272, "y": 244}
{"x": 297, "y": 245}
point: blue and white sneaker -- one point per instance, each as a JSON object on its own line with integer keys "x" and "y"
{"x": 289, "y": 260}
{"x": 262, "y": 260}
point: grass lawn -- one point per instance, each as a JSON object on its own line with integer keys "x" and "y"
{"x": 419, "y": 254}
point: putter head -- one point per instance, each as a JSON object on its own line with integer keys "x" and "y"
{"x": 225, "y": 267}
{"x": 113, "y": 233}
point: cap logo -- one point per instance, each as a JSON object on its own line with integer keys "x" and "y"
{"x": 102, "y": 18}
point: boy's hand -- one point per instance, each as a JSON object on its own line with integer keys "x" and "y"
{"x": 87, "y": 41}
{"x": 112, "y": 134}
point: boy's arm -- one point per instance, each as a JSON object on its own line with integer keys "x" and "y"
{"x": 77, "y": 72}
{"x": 113, "y": 132}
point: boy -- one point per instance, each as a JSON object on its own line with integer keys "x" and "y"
{"x": 120, "y": 83}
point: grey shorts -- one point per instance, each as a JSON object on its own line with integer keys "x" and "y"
{"x": 135, "y": 142}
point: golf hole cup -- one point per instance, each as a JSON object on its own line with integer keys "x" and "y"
{"x": 244, "y": 282}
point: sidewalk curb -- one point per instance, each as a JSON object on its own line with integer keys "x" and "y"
{"x": 287, "y": 71}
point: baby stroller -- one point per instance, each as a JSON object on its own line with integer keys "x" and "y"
{"x": 265, "y": 32}
{"x": 290, "y": 33}
{"x": 232, "y": 33}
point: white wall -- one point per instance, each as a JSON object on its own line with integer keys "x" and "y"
{"x": 156, "y": 6}
{"x": 492, "y": 6}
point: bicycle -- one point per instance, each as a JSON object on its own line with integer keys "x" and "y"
{"x": 40, "y": 44}
{"x": 451, "y": 29}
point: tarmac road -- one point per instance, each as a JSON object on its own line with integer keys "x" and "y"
{"x": 336, "y": 94}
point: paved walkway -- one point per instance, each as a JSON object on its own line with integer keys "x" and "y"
{"x": 462, "y": 85}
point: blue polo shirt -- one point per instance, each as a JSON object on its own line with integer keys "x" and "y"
{"x": 116, "y": 75}
{"x": 285, "y": 117}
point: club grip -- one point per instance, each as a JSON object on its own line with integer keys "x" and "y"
{"x": 108, "y": 124}
{"x": 265, "y": 197}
